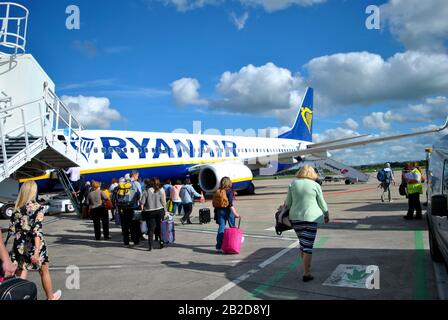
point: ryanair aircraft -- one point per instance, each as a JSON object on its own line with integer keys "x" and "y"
{"x": 206, "y": 158}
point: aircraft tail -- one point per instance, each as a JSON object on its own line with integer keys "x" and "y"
{"x": 303, "y": 126}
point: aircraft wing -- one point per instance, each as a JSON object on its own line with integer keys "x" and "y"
{"x": 333, "y": 145}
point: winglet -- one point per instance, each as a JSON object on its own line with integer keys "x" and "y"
{"x": 445, "y": 126}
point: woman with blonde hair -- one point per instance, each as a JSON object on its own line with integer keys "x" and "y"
{"x": 225, "y": 212}
{"x": 307, "y": 208}
{"x": 29, "y": 248}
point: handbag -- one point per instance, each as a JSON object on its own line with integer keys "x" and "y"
{"x": 137, "y": 215}
{"x": 108, "y": 204}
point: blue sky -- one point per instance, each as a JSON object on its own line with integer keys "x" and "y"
{"x": 131, "y": 52}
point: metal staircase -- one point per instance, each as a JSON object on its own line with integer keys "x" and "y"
{"x": 69, "y": 190}
{"x": 36, "y": 128}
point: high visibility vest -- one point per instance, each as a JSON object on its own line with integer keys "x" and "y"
{"x": 417, "y": 187}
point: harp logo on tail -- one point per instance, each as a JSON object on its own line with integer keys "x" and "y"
{"x": 307, "y": 116}
{"x": 84, "y": 146}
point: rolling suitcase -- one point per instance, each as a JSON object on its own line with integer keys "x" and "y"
{"x": 233, "y": 237}
{"x": 15, "y": 289}
{"x": 167, "y": 232}
{"x": 204, "y": 216}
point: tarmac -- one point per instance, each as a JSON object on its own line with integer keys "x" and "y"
{"x": 363, "y": 232}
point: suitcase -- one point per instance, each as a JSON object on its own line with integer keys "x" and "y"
{"x": 167, "y": 232}
{"x": 204, "y": 216}
{"x": 15, "y": 289}
{"x": 233, "y": 237}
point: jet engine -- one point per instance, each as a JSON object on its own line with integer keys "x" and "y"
{"x": 210, "y": 176}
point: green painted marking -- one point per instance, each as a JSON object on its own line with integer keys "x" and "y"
{"x": 421, "y": 292}
{"x": 357, "y": 275}
{"x": 279, "y": 275}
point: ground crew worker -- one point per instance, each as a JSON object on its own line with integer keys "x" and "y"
{"x": 415, "y": 189}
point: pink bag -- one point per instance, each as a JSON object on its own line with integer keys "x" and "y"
{"x": 233, "y": 238}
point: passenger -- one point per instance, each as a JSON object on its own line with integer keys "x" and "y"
{"x": 8, "y": 269}
{"x": 29, "y": 248}
{"x": 307, "y": 209}
{"x": 129, "y": 225}
{"x": 167, "y": 188}
{"x": 153, "y": 210}
{"x": 74, "y": 177}
{"x": 98, "y": 211}
{"x": 388, "y": 179}
{"x": 175, "y": 197}
{"x": 224, "y": 209}
{"x": 187, "y": 195}
{"x": 112, "y": 189}
{"x": 414, "y": 190}
{"x": 113, "y": 185}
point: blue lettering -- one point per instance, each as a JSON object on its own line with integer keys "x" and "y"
{"x": 141, "y": 147}
{"x": 232, "y": 148}
{"x": 205, "y": 148}
{"x": 113, "y": 148}
{"x": 162, "y": 147}
{"x": 180, "y": 146}
{"x": 218, "y": 148}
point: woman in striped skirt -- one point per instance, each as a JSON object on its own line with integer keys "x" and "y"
{"x": 307, "y": 208}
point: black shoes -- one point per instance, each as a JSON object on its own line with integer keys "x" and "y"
{"x": 418, "y": 217}
{"x": 307, "y": 278}
{"x": 161, "y": 244}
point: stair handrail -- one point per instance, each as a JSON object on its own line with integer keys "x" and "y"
{"x": 19, "y": 34}
{"x": 49, "y": 99}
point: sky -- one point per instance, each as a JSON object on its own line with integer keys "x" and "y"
{"x": 159, "y": 65}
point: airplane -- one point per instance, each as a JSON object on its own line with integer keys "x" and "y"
{"x": 108, "y": 154}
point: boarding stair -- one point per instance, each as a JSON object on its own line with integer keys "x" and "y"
{"x": 69, "y": 190}
{"x": 38, "y": 132}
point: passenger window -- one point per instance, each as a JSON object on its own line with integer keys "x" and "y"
{"x": 146, "y": 150}
{"x": 132, "y": 150}
{"x": 95, "y": 150}
{"x": 111, "y": 149}
{"x": 125, "y": 150}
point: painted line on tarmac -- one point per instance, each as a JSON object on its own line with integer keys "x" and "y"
{"x": 250, "y": 273}
{"x": 421, "y": 292}
{"x": 246, "y": 235}
{"x": 87, "y": 268}
{"x": 279, "y": 275}
{"x": 348, "y": 191}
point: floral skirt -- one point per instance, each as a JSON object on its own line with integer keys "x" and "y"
{"x": 22, "y": 252}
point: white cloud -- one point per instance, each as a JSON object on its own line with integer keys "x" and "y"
{"x": 366, "y": 78}
{"x": 334, "y": 134}
{"x": 239, "y": 22}
{"x": 275, "y": 5}
{"x": 382, "y": 120}
{"x": 258, "y": 89}
{"x": 432, "y": 109}
{"x": 185, "y": 92}
{"x": 351, "y": 124}
{"x": 419, "y": 25}
{"x": 92, "y": 112}
{"x": 268, "y": 5}
{"x": 187, "y": 5}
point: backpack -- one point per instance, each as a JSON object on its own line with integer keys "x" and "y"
{"x": 220, "y": 199}
{"x": 381, "y": 176}
{"x": 127, "y": 195}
